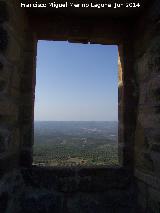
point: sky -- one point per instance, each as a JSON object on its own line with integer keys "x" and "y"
{"x": 76, "y": 82}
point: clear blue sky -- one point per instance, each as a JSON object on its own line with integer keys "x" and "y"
{"x": 76, "y": 82}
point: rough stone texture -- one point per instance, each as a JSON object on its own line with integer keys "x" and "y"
{"x": 3, "y": 40}
{"x": 90, "y": 190}
{"x": 147, "y": 135}
{"x": 66, "y": 190}
{"x": 18, "y": 62}
{"x": 16, "y": 49}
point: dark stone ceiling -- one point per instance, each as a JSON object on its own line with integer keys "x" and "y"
{"x": 91, "y": 12}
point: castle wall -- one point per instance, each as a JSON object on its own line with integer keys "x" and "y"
{"x": 69, "y": 190}
{"x": 16, "y": 61}
{"x": 139, "y": 98}
{"x": 147, "y": 134}
{"x": 20, "y": 32}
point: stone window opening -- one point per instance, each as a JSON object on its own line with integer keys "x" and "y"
{"x": 126, "y": 99}
{"x": 37, "y": 157}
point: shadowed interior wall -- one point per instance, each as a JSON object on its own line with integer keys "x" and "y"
{"x": 147, "y": 135}
{"x": 17, "y": 69}
{"x": 139, "y": 151}
{"x": 22, "y": 48}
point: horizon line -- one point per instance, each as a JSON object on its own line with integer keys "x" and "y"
{"x": 76, "y": 120}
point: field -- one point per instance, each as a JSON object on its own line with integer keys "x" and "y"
{"x": 75, "y": 144}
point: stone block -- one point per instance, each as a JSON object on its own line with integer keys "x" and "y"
{"x": 1, "y": 65}
{"x": 26, "y": 157}
{"x": 144, "y": 161}
{"x": 155, "y": 156}
{"x": 148, "y": 65}
{"x": 155, "y": 147}
{"x": 142, "y": 195}
{"x": 5, "y": 139}
{"x": 27, "y": 85}
{"x": 13, "y": 52}
{"x": 40, "y": 202}
{"x": 25, "y": 116}
{"x": 4, "y": 200}
{"x": 15, "y": 140}
{"x": 3, "y": 12}
{"x": 3, "y": 40}
{"x": 14, "y": 23}
{"x": 29, "y": 64}
{"x": 27, "y": 134}
{"x": 67, "y": 185}
{"x": 2, "y": 85}
{"x": 15, "y": 79}
{"x": 14, "y": 93}
{"x": 2, "y": 146}
{"x": 148, "y": 178}
{"x": 8, "y": 108}
{"x": 6, "y": 68}
{"x": 153, "y": 200}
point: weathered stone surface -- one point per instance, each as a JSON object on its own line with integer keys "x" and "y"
{"x": 2, "y": 147}
{"x": 86, "y": 190}
{"x": 2, "y": 85}
{"x": 153, "y": 200}
{"x": 1, "y": 65}
{"x": 142, "y": 194}
{"x": 26, "y": 157}
{"x": 8, "y": 108}
{"x": 155, "y": 156}
{"x": 147, "y": 132}
{"x": 5, "y": 140}
{"x": 3, "y": 39}
{"x": 24, "y": 196}
{"x": 40, "y": 202}
{"x": 3, "y": 12}
{"x": 13, "y": 51}
{"x": 3, "y": 201}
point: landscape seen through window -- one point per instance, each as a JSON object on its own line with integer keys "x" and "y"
{"x": 76, "y": 105}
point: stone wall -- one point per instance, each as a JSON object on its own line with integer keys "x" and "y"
{"x": 100, "y": 31}
{"x": 37, "y": 189}
{"x": 16, "y": 61}
{"x": 42, "y": 190}
{"x": 21, "y": 30}
{"x": 10, "y": 58}
{"x": 109, "y": 190}
{"x": 147, "y": 135}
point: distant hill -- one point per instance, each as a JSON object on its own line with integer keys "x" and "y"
{"x": 75, "y": 142}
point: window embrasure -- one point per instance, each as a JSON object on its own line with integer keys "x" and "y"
{"x": 76, "y": 113}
